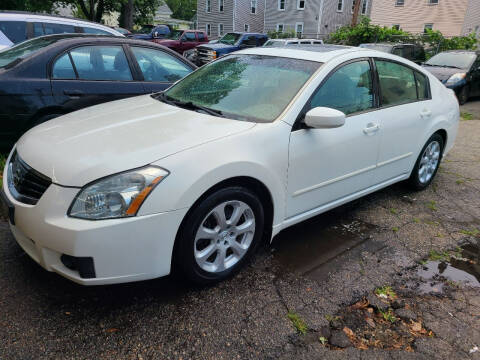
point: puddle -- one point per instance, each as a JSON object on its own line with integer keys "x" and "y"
{"x": 464, "y": 270}
{"x": 305, "y": 247}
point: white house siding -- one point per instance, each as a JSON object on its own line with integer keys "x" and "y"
{"x": 215, "y": 17}
{"x": 448, "y": 16}
{"x": 472, "y": 18}
{"x": 243, "y": 15}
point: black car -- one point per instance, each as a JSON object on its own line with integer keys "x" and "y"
{"x": 459, "y": 70}
{"x": 52, "y": 75}
{"x": 412, "y": 52}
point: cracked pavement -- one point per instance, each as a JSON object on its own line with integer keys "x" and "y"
{"x": 313, "y": 269}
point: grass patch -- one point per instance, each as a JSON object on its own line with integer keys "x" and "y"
{"x": 466, "y": 116}
{"x": 473, "y": 232}
{"x": 416, "y": 220}
{"x": 388, "y": 315}
{"x": 298, "y": 323}
{"x": 434, "y": 255}
{"x": 395, "y": 228}
{"x": 432, "y": 205}
{"x": 394, "y": 211}
{"x": 323, "y": 340}
{"x": 459, "y": 181}
{"x": 385, "y": 292}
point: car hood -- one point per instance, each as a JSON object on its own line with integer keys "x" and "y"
{"x": 105, "y": 139}
{"x": 443, "y": 73}
{"x": 218, "y": 46}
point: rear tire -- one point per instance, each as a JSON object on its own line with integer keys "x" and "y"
{"x": 463, "y": 95}
{"x": 427, "y": 163}
{"x": 211, "y": 247}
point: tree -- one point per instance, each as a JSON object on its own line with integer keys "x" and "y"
{"x": 137, "y": 12}
{"x": 92, "y": 9}
{"x": 182, "y": 9}
{"x": 28, "y": 5}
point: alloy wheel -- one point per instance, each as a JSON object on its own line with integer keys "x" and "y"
{"x": 429, "y": 162}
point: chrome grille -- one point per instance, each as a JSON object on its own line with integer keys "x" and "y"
{"x": 204, "y": 54}
{"x": 24, "y": 183}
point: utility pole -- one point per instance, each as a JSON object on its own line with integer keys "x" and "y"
{"x": 356, "y": 10}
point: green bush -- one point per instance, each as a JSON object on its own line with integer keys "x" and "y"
{"x": 282, "y": 35}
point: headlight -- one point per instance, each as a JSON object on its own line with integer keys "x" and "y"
{"x": 456, "y": 78}
{"x": 213, "y": 54}
{"x": 116, "y": 196}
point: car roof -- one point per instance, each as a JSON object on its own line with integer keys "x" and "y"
{"x": 317, "y": 53}
{"x": 23, "y": 15}
{"x": 83, "y": 38}
{"x": 389, "y": 44}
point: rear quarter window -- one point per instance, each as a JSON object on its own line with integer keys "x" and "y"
{"x": 91, "y": 30}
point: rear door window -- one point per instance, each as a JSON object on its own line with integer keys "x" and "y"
{"x": 157, "y": 65}
{"x": 101, "y": 63}
{"x": 55, "y": 28}
{"x": 63, "y": 69}
{"x": 16, "y": 31}
{"x": 189, "y": 36}
{"x": 397, "y": 83}
{"x": 422, "y": 86}
{"x": 201, "y": 36}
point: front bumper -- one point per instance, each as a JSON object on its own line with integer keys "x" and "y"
{"x": 123, "y": 250}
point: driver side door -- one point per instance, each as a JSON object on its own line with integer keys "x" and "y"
{"x": 326, "y": 166}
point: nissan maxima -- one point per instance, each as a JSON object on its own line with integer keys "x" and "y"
{"x": 196, "y": 177}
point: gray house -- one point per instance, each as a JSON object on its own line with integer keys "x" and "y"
{"x": 308, "y": 18}
{"x": 311, "y": 18}
{"x": 218, "y": 17}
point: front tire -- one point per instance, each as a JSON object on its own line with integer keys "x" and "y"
{"x": 220, "y": 235}
{"x": 427, "y": 163}
{"x": 463, "y": 95}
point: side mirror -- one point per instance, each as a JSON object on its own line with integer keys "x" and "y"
{"x": 324, "y": 118}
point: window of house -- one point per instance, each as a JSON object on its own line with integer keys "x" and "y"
{"x": 208, "y": 6}
{"x": 220, "y": 5}
{"x": 349, "y": 89}
{"x": 432, "y": 2}
{"x": 300, "y": 4}
{"x": 280, "y": 27}
{"x": 281, "y": 4}
{"x": 220, "y": 30}
{"x": 396, "y": 26}
{"x": 397, "y": 83}
{"x": 340, "y": 5}
{"x": 364, "y": 7}
{"x": 246, "y": 27}
{"x": 299, "y": 29}
{"x": 399, "y": 2}
{"x": 208, "y": 28}
{"x": 253, "y": 6}
{"x": 427, "y": 27}
{"x": 353, "y": 6}
{"x": 101, "y": 63}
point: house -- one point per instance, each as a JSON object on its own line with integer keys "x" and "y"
{"x": 308, "y": 18}
{"x": 451, "y": 17}
{"x": 311, "y": 18}
{"x": 218, "y": 17}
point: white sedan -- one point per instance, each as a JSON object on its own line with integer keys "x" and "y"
{"x": 195, "y": 178}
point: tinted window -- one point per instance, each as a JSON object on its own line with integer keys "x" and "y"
{"x": 51, "y": 28}
{"x": 250, "y": 41}
{"x": 349, "y": 89}
{"x": 157, "y": 65}
{"x": 89, "y": 30}
{"x": 63, "y": 69}
{"x": 38, "y": 29}
{"x": 162, "y": 30}
{"x": 246, "y": 87}
{"x": 16, "y": 31}
{"x": 422, "y": 86}
{"x": 201, "y": 36}
{"x": 397, "y": 51}
{"x": 408, "y": 52}
{"x": 397, "y": 83}
{"x": 262, "y": 41}
{"x": 101, "y": 63}
{"x": 189, "y": 36}
{"x": 23, "y": 50}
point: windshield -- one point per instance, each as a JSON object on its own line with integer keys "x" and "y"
{"x": 175, "y": 34}
{"x": 230, "y": 38}
{"x": 145, "y": 29}
{"x": 24, "y": 50}
{"x": 245, "y": 87}
{"x": 379, "y": 47}
{"x": 274, "y": 43}
{"x": 461, "y": 60}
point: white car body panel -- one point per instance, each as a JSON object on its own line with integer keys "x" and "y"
{"x": 306, "y": 171}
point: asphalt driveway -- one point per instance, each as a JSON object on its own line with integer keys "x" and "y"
{"x": 383, "y": 254}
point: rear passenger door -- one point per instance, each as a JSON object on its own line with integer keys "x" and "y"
{"x": 93, "y": 74}
{"x": 405, "y": 106}
{"x": 158, "y": 69}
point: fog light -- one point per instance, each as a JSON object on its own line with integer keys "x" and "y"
{"x": 84, "y": 265}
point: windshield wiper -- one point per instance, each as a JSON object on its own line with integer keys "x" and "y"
{"x": 444, "y": 66}
{"x": 186, "y": 104}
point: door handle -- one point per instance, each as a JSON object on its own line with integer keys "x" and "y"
{"x": 425, "y": 113}
{"x": 371, "y": 129}
{"x": 73, "y": 92}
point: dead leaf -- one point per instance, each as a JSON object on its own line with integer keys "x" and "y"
{"x": 111, "y": 330}
{"x": 348, "y": 332}
{"x": 67, "y": 313}
{"x": 362, "y": 304}
{"x": 416, "y": 326}
{"x": 370, "y": 310}
{"x": 370, "y": 322}
{"x": 309, "y": 289}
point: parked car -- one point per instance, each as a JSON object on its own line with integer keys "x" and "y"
{"x": 230, "y": 42}
{"x": 196, "y": 177}
{"x": 183, "y": 40}
{"x": 459, "y": 70}
{"x": 52, "y": 75}
{"x": 18, "y": 26}
{"x": 151, "y": 32}
{"x": 290, "y": 42}
{"x": 412, "y": 52}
